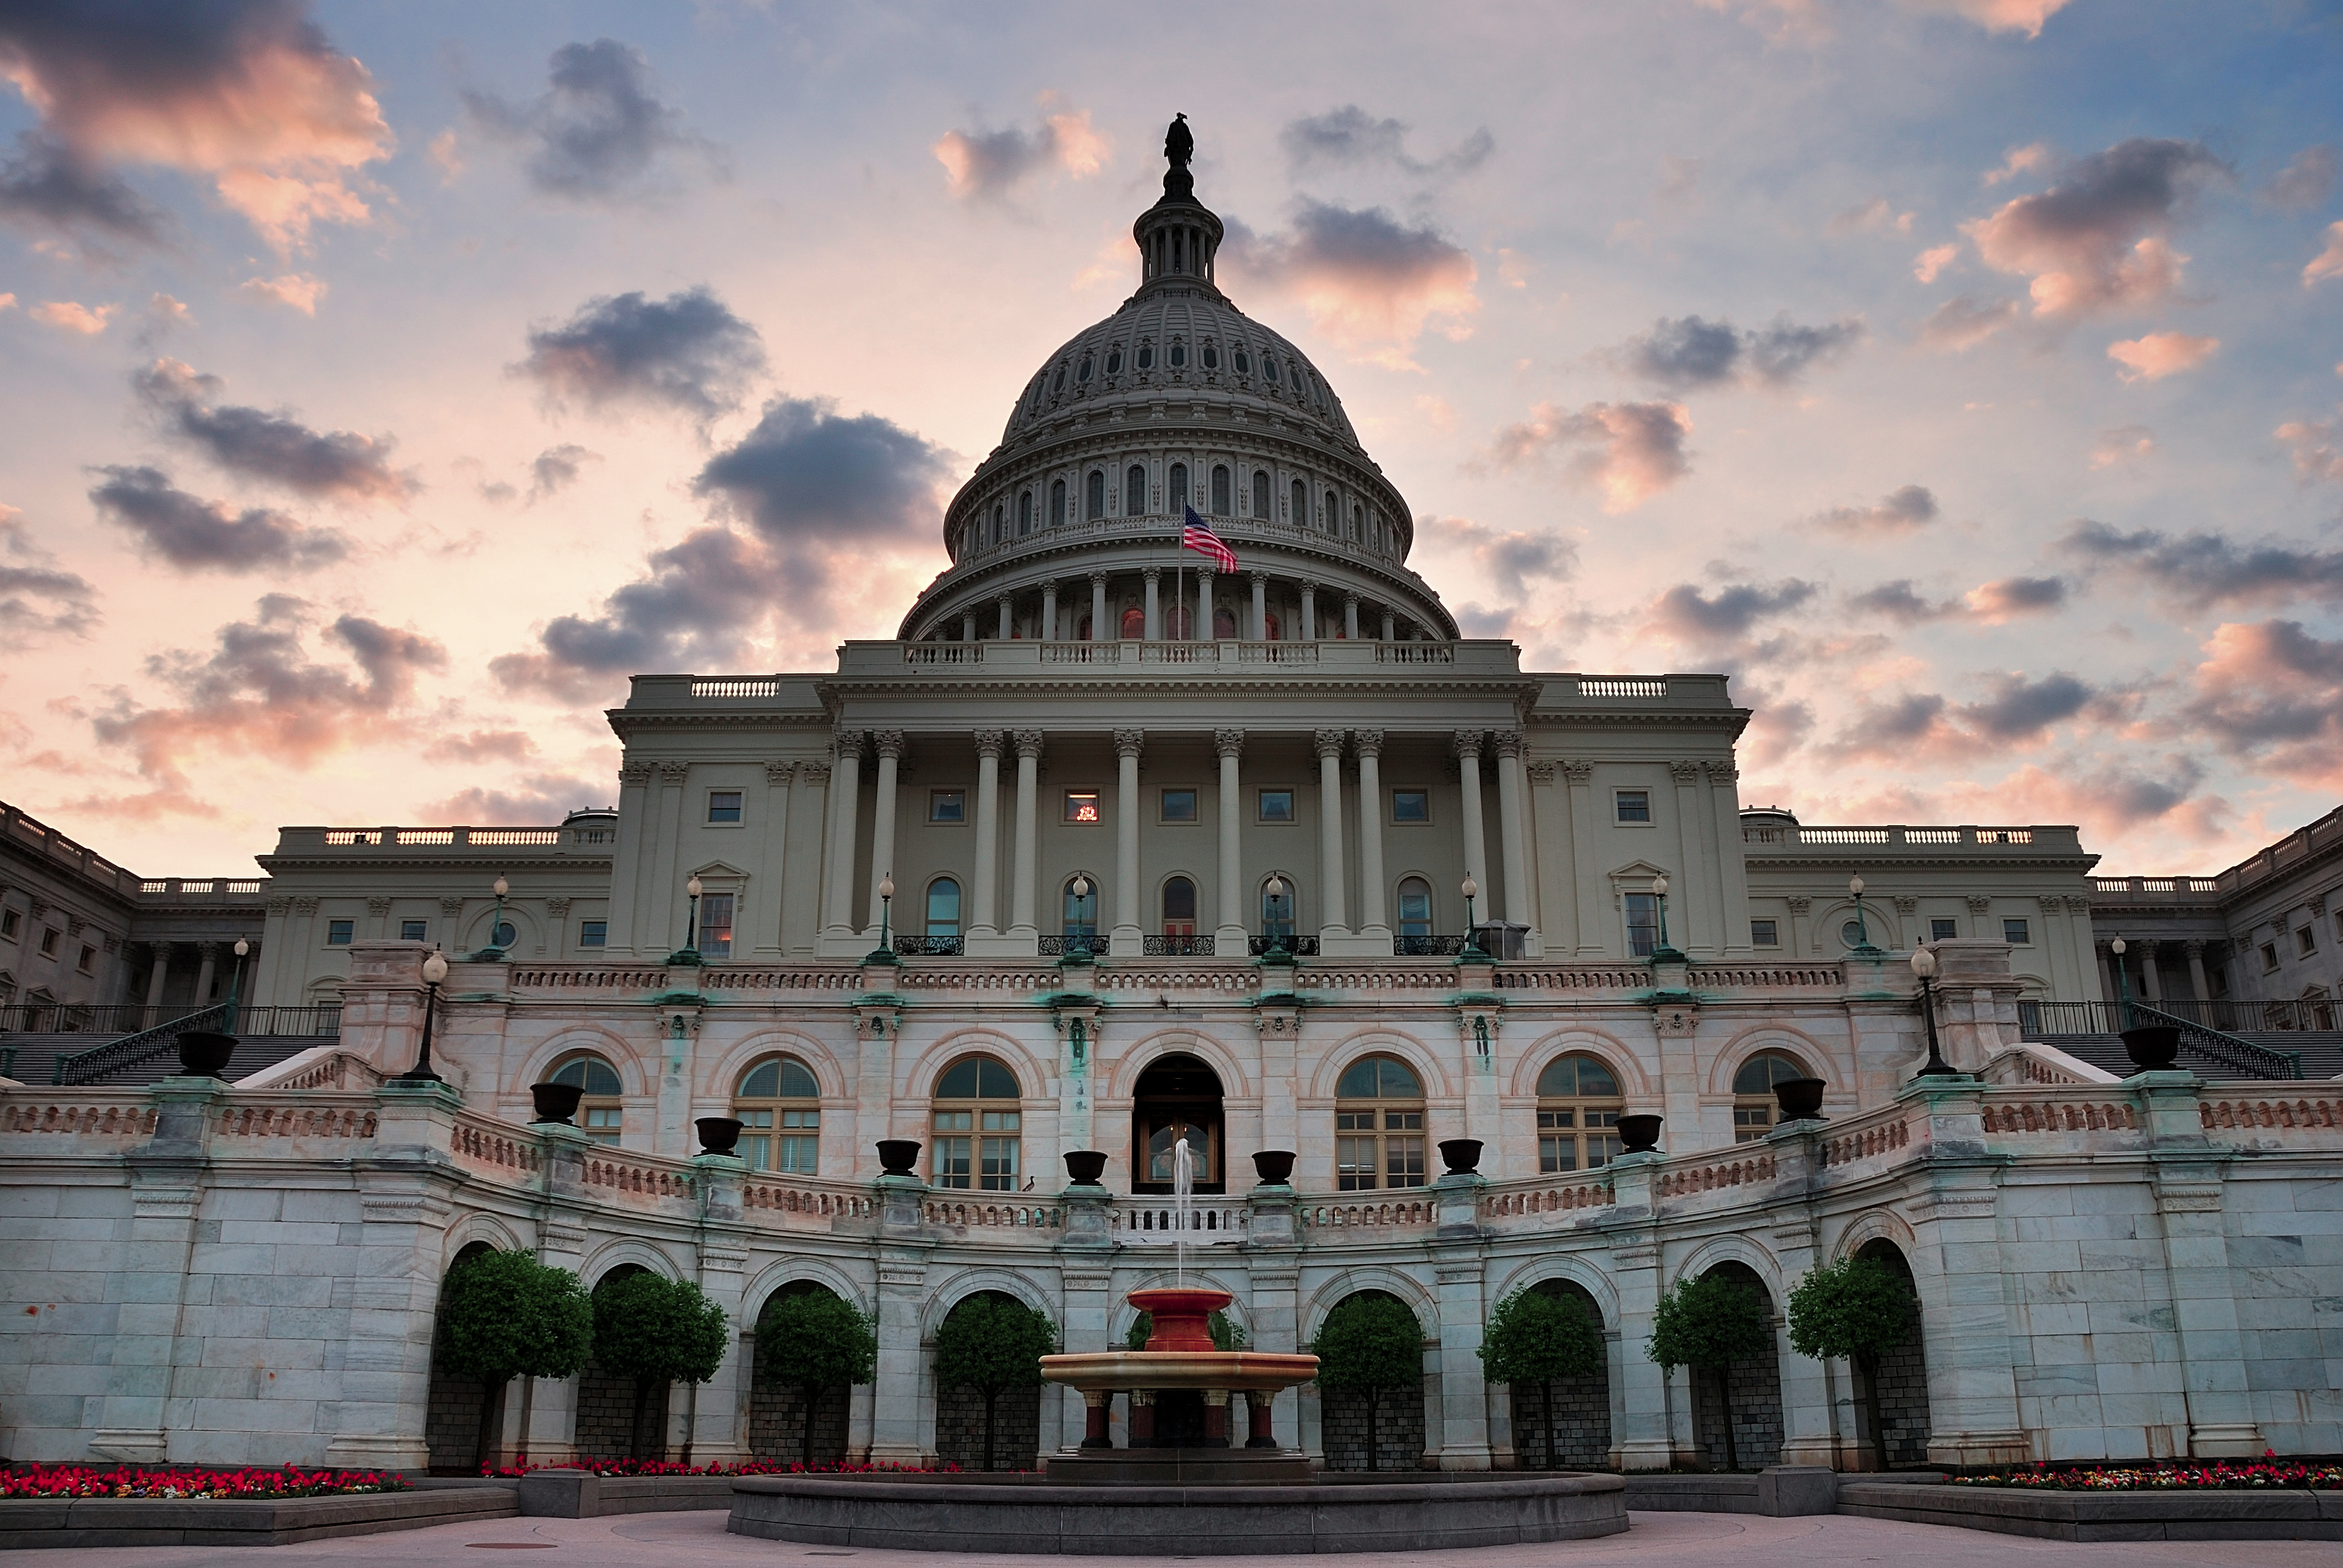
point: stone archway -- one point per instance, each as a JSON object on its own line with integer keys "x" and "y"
{"x": 1397, "y": 1415}
{"x": 605, "y": 1425}
{"x": 1178, "y": 1095}
{"x": 1756, "y": 1390}
{"x": 1016, "y": 1416}
{"x": 778, "y": 1412}
{"x": 451, "y": 1429}
{"x": 1903, "y": 1388}
{"x": 1581, "y": 1405}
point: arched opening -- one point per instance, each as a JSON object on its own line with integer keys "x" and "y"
{"x": 1300, "y": 518}
{"x": 943, "y": 908}
{"x": 1754, "y": 1108}
{"x": 778, "y": 1412}
{"x": 979, "y": 1127}
{"x": 1579, "y": 1406}
{"x": 1175, "y": 490}
{"x": 1094, "y": 495}
{"x": 1755, "y": 1387}
{"x": 1272, "y": 628}
{"x": 1134, "y": 491}
{"x": 1178, "y": 623}
{"x": 1179, "y": 906}
{"x": 1016, "y": 1416}
{"x": 1024, "y": 513}
{"x": 602, "y": 1113}
{"x": 607, "y": 1423}
{"x": 1260, "y": 494}
{"x": 1220, "y": 494}
{"x": 1578, "y": 1111}
{"x": 1378, "y": 1125}
{"x": 1225, "y": 622}
{"x": 454, "y": 1419}
{"x": 1900, "y": 1392}
{"x": 778, "y": 1103}
{"x": 1134, "y": 624}
{"x": 1058, "y": 500}
{"x": 1177, "y": 1097}
{"x": 1080, "y": 898}
{"x": 1393, "y": 1414}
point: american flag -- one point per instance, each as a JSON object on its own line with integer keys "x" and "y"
{"x": 1196, "y": 535}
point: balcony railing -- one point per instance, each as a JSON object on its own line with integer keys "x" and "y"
{"x": 1299, "y": 947}
{"x": 930, "y": 947}
{"x": 1427, "y": 947}
{"x": 1967, "y": 837}
{"x": 1096, "y": 947}
{"x": 1188, "y": 947}
{"x": 148, "y": 1044}
{"x": 2037, "y": 1018}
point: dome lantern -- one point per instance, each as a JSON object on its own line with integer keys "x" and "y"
{"x": 1179, "y": 236}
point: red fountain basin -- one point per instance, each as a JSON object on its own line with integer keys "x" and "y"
{"x": 1180, "y": 1317}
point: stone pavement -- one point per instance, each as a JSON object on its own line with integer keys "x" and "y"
{"x": 1656, "y": 1541}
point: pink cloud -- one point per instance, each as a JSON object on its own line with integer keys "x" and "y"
{"x": 1628, "y": 451}
{"x": 2095, "y": 240}
{"x": 2327, "y": 263}
{"x": 2161, "y": 354}
{"x": 298, "y": 290}
{"x": 67, "y": 315}
{"x": 2317, "y": 448}
{"x": 1372, "y": 282}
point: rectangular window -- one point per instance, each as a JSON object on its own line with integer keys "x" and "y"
{"x": 1643, "y": 923}
{"x": 1179, "y": 806}
{"x": 724, "y": 805}
{"x": 2269, "y": 956}
{"x": 601, "y": 1122}
{"x": 1765, "y": 934}
{"x": 88, "y": 960}
{"x": 338, "y": 932}
{"x": 49, "y": 943}
{"x": 1277, "y": 804}
{"x": 1943, "y": 930}
{"x": 2306, "y": 941}
{"x": 413, "y": 932}
{"x": 1632, "y": 805}
{"x": 716, "y": 925}
{"x": 593, "y": 933}
{"x": 2218, "y": 976}
{"x": 1411, "y": 806}
{"x": 2013, "y": 934}
{"x": 997, "y": 1151}
{"x": 1557, "y": 1142}
{"x": 8, "y": 923}
{"x": 1082, "y": 806}
{"x": 947, "y": 805}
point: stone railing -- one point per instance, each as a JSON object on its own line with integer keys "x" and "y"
{"x": 312, "y": 1114}
{"x": 1155, "y": 1219}
{"x": 2021, "y": 1112}
{"x": 1574, "y": 977}
{"x": 1329, "y": 1219}
{"x": 1544, "y": 1195}
{"x": 1857, "y": 1141}
{"x": 1006, "y": 1214}
{"x": 1692, "y": 1175}
{"x": 637, "y": 1176}
{"x": 2226, "y": 1112}
{"x": 1763, "y": 977}
{"x": 85, "y": 1115}
{"x": 495, "y": 1149}
{"x": 583, "y": 977}
{"x": 803, "y": 1203}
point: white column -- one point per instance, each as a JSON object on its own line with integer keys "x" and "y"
{"x": 1520, "y": 896}
{"x": 1259, "y": 632}
{"x": 1372, "y": 919}
{"x": 1595, "y": 926}
{"x": 1008, "y": 621}
{"x": 1391, "y": 627}
{"x": 1329, "y": 831}
{"x": 1231, "y": 935}
{"x": 967, "y": 626}
{"x": 1733, "y": 862}
{"x": 984, "y": 905}
{"x": 1127, "y": 939}
{"x": 1692, "y": 929}
{"x": 1309, "y": 631}
{"x": 1049, "y": 611}
{"x": 208, "y": 953}
{"x": 629, "y": 865}
{"x": 1029, "y": 803}
{"x": 161, "y": 971}
{"x": 767, "y": 890}
{"x": 1202, "y": 630}
{"x": 1351, "y": 616}
{"x": 1476, "y": 837}
{"x": 1100, "y": 630}
{"x": 845, "y": 803}
{"x": 882, "y": 823}
{"x": 1153, "y": 578}
{"x": 666, "y": 892}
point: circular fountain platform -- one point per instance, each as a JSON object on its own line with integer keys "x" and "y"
{"x": 1028, "y": 1514}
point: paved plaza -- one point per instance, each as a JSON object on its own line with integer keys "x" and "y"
{"x": 1656, "y": 1541}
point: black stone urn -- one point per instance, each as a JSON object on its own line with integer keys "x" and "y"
{"x": 1801, "y": 1098}
{"x": 718, "y": 1134}
{"x": 1274, "y": 1166}
{"x": 1639, "y": 1133}
{"x": 2153, "y": 1048}
{"x": 555, "y": 1102}
{"x": 202, "y": 1054}
{"x": 1085, "y": 1166}
{"x": 1461, "y": 1155}
{"x": 897, "y": 1156}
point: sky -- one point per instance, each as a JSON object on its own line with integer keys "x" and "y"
{"x": 381, "y": 385}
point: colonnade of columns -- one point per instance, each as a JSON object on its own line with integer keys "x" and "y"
{"x": 1292, "y": 603}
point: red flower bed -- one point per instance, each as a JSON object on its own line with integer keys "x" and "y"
{"x": 2265, "y": 1474}
{"x": 743, "y": 1467}
{"x": 136, "y": 1481}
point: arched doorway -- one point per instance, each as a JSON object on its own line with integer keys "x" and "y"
{"x": 1902, "y": 1393}
{"x": 606, "y": 1427}
{"x": 960, "y": 1412}
{"x": 1581, "y": 1405}
{"x": 1178, "y": 1095}
{"x": 1755, "y": 1386}
{"x": 1397, "y": 1415}
{"x": 778, "y": 1412}
{"x": 452, "y": 1423}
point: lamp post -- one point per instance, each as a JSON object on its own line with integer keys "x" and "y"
{"x": 1085, "y": 919}
{"x": 494, "y": 951}
{"x": 1472, "y": 948}
{"x": 1276, "y": 891}
{"x": 435, "y": 970}
{"x": 1923, "y": 964}
{"x": 885, "y": 951}
{"x": 2123, "y": 986}
{"x": 1862, "y": 928}
{"x": 1660, "y": 894}
{"x": 691, "y": 891}
{"x": 235, "y": 974}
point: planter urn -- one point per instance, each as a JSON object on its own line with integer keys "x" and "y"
{"x": 1461, "y": 1155}
{"x": 1274, "y": 1166}
{"x": 1800, "y": 1098}
{"x": 555, "y": 1103}
{"x": 2153, "y": 1048}
{"x": 897, "y": 1156}
{"x": 1639, "y": 1133}
{"x": 1085, "y": 1166}
{"x": 718, "y": 1134}
{"x": 202, "y": 1054}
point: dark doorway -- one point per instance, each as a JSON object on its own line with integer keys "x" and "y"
{"x": 778, "y": 1412}
{"x": 1016, "y": 1420}
{"x": 1394, "y": 1415}
{"x": 451, "y": 1431}
{"x": 1756, "y": 1388}
{"x": 607, "y": 1424}
{"x": 1902, "y": 1389}
{"x": 1579, "y": 1406}
{"x": 1178, "y": 1095}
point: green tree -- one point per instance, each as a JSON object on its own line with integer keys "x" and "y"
{"x": 504, "y": 1315}
{"x": 1368, "y": 1342}
{"x": 813, "y": 1341}
{"x": 1858, "y": 1308}
{"x": 992, "y": 1345}
{"x": 1708, "y": 1324}
{"x": 1535, "y": 1338}
{"x": 656, "y": 1330}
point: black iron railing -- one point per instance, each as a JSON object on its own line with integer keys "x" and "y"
{"x": 88, "y": 1018}
{"x": 148, "y": 1044}
{"x": 1096, "y": 947}
{"x": 1189, "y": 947}
{"x": 2042, "y": 1019}
{"x": 930, "y": 947}
{"x": 1299, "y": 947}
{"x": 2226, "y": 1017}
{"x": 1426, "y": 947}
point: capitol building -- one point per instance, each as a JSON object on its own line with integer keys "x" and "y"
{"x": 1120, "y": 841}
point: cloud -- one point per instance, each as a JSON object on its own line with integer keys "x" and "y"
{"x": 1508, "y": 560}
{"x": 2026, "y": 16}
{"x": 992, "y": 165}
{"x": 1371, "y": 282}
{"x": 2204, "y": 570}
{"x": 67, "y": 315}
{"x": 1961, "y": 323}
{"x": 686, "y": 352}
{"x": 1899, "y": 601}
{"x": 597, "y": 131}
{"x": 482, "y": 746}
{"x": 2122, "y": 445}
{"x": 1628, "y": 451}
{"x": 192, "y": 533}
{"x": 249, "y": 92}
{"x": 2271, "y": 693}
{"x": 1689, "y": 351}
{"x": 260, "y": 694}
{"x": 2161, "y": 353}
{"x": 2327, "y": 263}
{"x": 1349, "y": 136}
{"x": 1930, "y": 263}
{"x": 1899, "y": 511}
{"x": 807, "y": 474}
{"x": 2008, "y": 598}
{"x": 1686, "y": 615}
{"x": 274, "y": 447}
{"x": 37, "y": 600}
{"x": 1877, "y": 215}
{"x": 557, "y": 469}
{"x": 46, "y": 186}
{"x": 296, "y": 289}
{"x": 2019, "y": 161}
{"x": 538, "y": 797}
{"x": 2095, "y": 240}
{"x": 2317, "y": 448}
{"x": 2014, "y": 712}
{"x": 2306, "y": 182}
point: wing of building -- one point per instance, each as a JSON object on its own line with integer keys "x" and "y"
{"x": 1458, "y": 979}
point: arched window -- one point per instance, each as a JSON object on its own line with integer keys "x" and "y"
{"x": 1082, "y": 371}
{"x": 1179, "y": 908}
{"x": 1414, "y": 915}
{"x": 1277, "y": 909}
{"x": 1147, "y": 356}
{"x": 779, "y": 1106}
{"x": 1134, "y": 624}
{"x": 1268, "y": 367}
{"x": 1577, "y": 1116}
{"x": 1225, "y": 622}
{"x": 999, "y": 525}
{"x": 1179, "y": 353}
{"x": 1175, "y": 490}
{"x": 1177, "y": 1097}
{"x": 1081, "y": 909}
{"x": 1754, "y": 1110}
{"x": 1260, "y": 494}
{"x": 1378, "y": 1126}
{"x": 598, "y": 1111}
{"x": 1094, "y": 495}
{"x": 1059, "y": 383}
{"x": 1272, "y": 628}
{"x": 1301, "y": 505}
{"x": 977, "y": 1126}
{"x": 1179, "y": 622}
{"x": 1358, "y": 524}
{"x": 1134, "y": 492}
{"x": 1114, "y": 360}
{"x": 1057, "y": 503}
{"x": 943, "y": 908}
{"x": 1222, "y": 500}
{"x": 1243, "y": 361}
{"x": 1024, "y": 514}
{"x": 1211, "y": 356}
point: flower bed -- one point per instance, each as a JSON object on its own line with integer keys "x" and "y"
{"x": 132, "y": 1481}
{"x": 743, "y": 1467}
{"x": 2266, "y": 1474}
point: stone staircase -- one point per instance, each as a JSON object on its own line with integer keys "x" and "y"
{"x": 2321, "y": 1052}
{"x": 150, "y": 1055}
